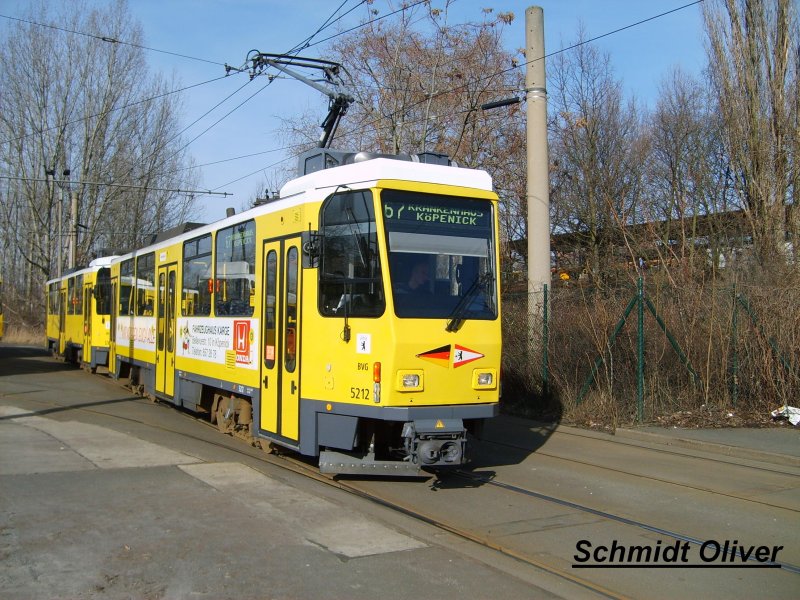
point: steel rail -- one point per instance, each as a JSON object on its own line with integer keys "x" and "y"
{"x": 659, "y": 479}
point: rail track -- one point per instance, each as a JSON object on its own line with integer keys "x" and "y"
{"x": 286, "y": 460}
{"x": 603, "y": 514}
{"x": 649, "y": 477}
{"x": 618, "y": 441}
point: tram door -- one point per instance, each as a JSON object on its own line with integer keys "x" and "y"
{"x": 165, "y": 329}
{"x": 62, "y": 317}
{"x": 112, "y": 341}
{"x": 280, "y": 393}
{"x": 88, "y": 310}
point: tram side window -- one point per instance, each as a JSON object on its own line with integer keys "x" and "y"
{"x": 145, "y": 285}
{"x": 53, "y": 299}
{"x": 127, "y": 287}
{"x": 290, "y": 302}
{"x": 270, "y": 316}
{"x": 79, "y": 294}
{"x": 350, "y": 280}
{"x": 102, "y": 292}
{"x": 197, "y": 282}
{"x": 235, "y": 270}
{"x": 75, "y": 295}
{"x": 71, "y": 296}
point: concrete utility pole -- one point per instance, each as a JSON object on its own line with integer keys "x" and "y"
{"x": 51, "y": 175}
{"x": 73, "y": 233}
{"x": 538, "y": 190}
{"x": 64, "y": 196}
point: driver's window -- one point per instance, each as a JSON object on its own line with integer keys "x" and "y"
{"x": 350, "y": 281}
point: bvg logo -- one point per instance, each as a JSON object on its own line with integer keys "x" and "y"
{"x": 241, "y": 341}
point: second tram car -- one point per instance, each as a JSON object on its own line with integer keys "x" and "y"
{"x": 78, "y": 324}
{"x": 355, "y": 318}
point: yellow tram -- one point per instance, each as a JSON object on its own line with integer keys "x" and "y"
{"x": 78, "y": 323}
{"x": 355, "y": 318}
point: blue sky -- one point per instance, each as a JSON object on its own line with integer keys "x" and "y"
{"x": 225, "y": 30}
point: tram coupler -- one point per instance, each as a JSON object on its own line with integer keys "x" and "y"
{"x": 436, "y": 442}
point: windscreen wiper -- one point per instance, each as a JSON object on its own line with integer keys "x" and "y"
{"x": 456, "y": 318}
{"x": 355, "y": 231}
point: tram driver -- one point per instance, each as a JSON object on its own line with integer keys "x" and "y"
{"x": 418, "y": 280}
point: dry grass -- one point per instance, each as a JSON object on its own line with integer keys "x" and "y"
{"x": 744, "y": 370}
{"x": 20, "y": 336}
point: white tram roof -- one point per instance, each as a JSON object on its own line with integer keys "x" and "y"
{"x": 103, "y": 261}
{"x": 94, "y": 265}
{"x": 355, "y": 176}
{"x": 367, "y": 173}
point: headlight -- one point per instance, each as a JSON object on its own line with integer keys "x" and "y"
{"x": 411, "y": 381}
{"x": 485, "y": 378}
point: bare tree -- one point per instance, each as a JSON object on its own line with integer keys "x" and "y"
{"x": 420, "y": 82}
{"x": 88, "y": 104}
{"x": 753, "y": 63}
{"x": 596, "y": 147}
{"x": 680, "y": 168}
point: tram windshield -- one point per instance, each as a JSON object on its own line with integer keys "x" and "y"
{"x": 441, "y": 256}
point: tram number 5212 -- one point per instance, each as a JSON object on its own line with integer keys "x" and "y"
{"x": 359, "y": 393}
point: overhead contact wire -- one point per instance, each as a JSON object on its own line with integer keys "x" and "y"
{"x": 111, "y": 40}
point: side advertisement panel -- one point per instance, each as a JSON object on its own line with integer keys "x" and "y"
{"x": 225, "y": 341}
{"x": 141, "y": 331}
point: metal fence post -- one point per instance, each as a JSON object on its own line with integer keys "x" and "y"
{"x": 640, "y": 352}
{"x": 545, "y": 343}
{"x": 734, "y": 345}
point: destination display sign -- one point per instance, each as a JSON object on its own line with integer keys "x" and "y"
{"x": 403, "y": 208}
